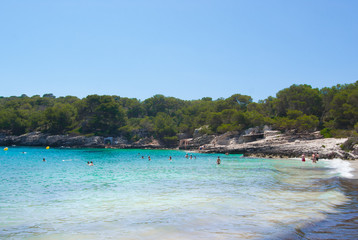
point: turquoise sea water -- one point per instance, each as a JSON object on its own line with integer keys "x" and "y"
{"x": 126, "y": 197}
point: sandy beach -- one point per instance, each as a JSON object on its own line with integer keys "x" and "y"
{"x": 354, "y": 165}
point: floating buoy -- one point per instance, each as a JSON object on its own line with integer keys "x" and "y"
{"x": 48, "y": 147}
{"x": 5, "y": 149}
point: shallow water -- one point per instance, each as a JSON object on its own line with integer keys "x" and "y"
{"x": 126, "y": 197}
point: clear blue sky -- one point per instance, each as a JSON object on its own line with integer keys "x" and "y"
{"x": 187, "y": 49}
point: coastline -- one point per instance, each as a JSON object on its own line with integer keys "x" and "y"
{"x": 270, "y": 144}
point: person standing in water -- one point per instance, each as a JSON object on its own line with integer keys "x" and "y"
{"x": 313, "y": 158}
{"x": 303, "y": 158}
{"x": 218, "y": 161}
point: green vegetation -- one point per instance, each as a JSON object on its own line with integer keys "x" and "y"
{"x": 333, "y": 111}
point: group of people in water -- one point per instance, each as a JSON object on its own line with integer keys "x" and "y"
{"x": 191, "y": 156}
{"x": 149, "y": 159}
{"x": 314, "y": 158}
{"x": 218, "y": 161}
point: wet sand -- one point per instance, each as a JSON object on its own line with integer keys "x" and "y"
{"x": 341, "y": 224}
{"x": 354, "y": 164}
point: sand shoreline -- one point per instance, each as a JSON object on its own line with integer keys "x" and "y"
{"x": 354, "y": 172}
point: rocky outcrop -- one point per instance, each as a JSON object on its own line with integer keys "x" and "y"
{"x": 195, "y": 143}
{"x": 270, "y": 144}
{"x": 41, "y": 139}
{"x": 148, "y": 142}
{"x": 285, "y": 146}
{"x": 218, "y": 141}
{"x": 355, "y": 149}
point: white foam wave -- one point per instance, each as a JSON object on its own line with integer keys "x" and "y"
{"x": 341, "y": 167}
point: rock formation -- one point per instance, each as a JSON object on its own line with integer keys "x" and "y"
{"x": 277, "y": 145}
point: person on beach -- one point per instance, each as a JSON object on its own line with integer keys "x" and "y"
{"x": 303, "y": 158}
{"x": 218, "y": 161}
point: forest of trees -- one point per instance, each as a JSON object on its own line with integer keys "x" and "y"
{"x": 333, "y": 111}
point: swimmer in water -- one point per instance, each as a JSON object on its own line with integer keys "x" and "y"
{"x": 218, "y": 161}
{"x": 170, "y": 158}
{"x": 149, "y": 158}
{"x": 91, "y": 164}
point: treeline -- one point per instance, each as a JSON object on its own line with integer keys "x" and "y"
{"x": 302, "y": 108}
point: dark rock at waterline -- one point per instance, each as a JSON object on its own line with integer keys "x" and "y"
{"x": 41, "y": 139}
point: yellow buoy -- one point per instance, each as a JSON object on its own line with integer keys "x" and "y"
{"x": 5, "y": 149}
{"x": 48, "y": 147}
